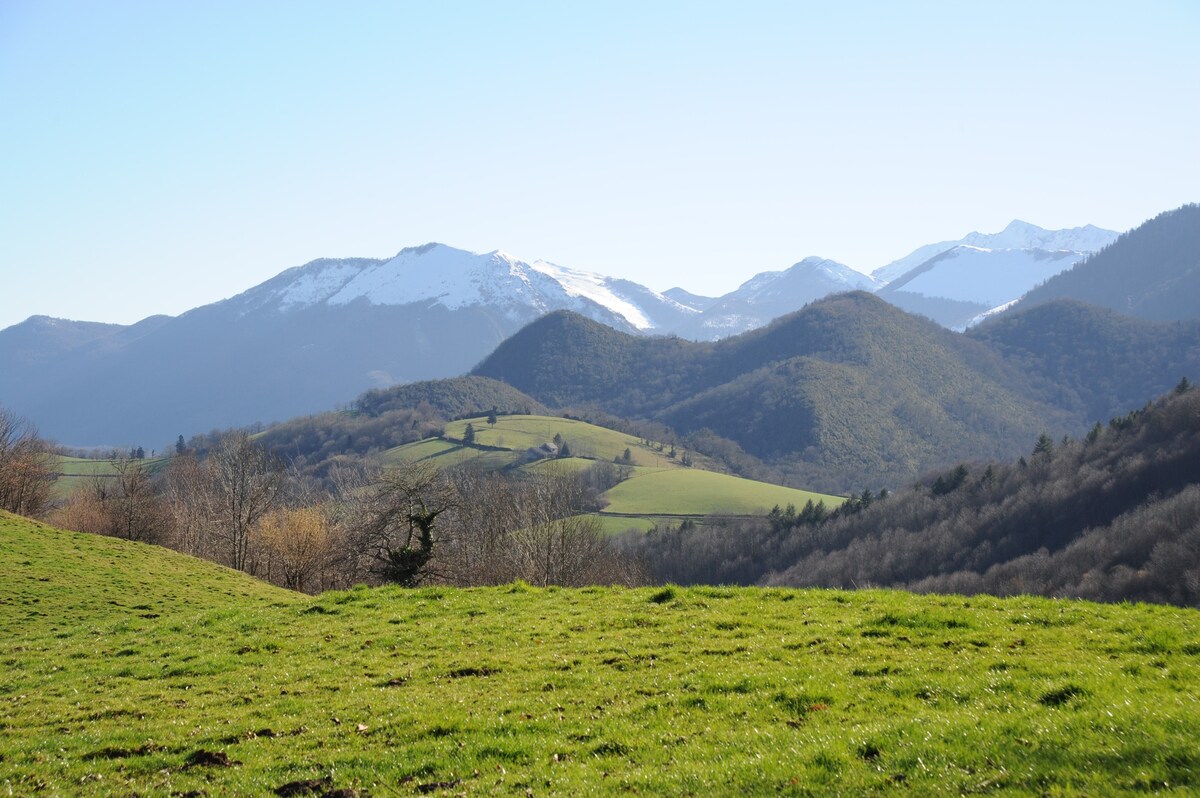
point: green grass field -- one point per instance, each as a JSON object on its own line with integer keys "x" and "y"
{"x": 585, "y": 440}
{"x": 691, "y": 492}
{"x": 128, "y": 669}
{"x": 661, "y": 488}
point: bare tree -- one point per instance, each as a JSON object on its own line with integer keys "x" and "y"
{"x": 396, "y": 521}
{"x": 134, "y": 509}
{"x": 26, "y": 472}
{"x": 246, "y": 482}
{"x": 187, "y": 497}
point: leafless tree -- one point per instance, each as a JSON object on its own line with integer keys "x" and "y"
{"x": 135, "y": 511}
{"x": 187, "y": 497}
{"x": 246, "y": 483}
{"x": 26, "y": 472}
{"x": 396, "y": 523}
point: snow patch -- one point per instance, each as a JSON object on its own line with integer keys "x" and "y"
{"x": 988, "y": 277}
{"x": 595, "y": 287}
{"x": 317, "y": 286}
{"x": 988, "y": 314}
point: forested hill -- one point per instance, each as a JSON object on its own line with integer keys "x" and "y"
{"x": 1113, "y": 516}
{"x": 1093, "y": 361}
{"x": 1152, "y": 272}
{"x": 849, "y": 391}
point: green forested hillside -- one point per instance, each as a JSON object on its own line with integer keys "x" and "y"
{"x": 1114, "y": 516}
{"x": 859, "y": 391}
{"x": 139, "y": 671}
{"x": 1093, "y": 361}
{"x": 1151, "y": 272}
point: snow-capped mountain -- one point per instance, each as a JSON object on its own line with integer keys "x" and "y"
{"x": 1018, "y": 235}
{"x": 957, "y": 284}
{"x": 303, "y": 341}
{"x": 319, "y": 334}
{"x": 768, "y": 295}
{"x": 455, "y": 279}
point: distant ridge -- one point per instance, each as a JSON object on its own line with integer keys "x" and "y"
{"x": 853, "y": 386}
{"x": 1152, "y": 272}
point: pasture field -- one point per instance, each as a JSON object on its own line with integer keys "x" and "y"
{"x": 692, "y": 492}
{"x": 128, "y": 669}
{"x": 585, "y": 440}
{"x": 75, "y": 472}
{"x": 660, "y": 487}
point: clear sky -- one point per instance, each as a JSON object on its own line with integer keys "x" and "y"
{"x": 156, "y": 156}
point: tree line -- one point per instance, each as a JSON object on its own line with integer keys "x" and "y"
{"x": 1114, "y": 516}
{"x": 236, "y": 503}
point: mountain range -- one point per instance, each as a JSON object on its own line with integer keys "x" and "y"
{"x": 316, "y": 335}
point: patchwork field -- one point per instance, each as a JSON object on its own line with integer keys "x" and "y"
{"x": 660, "y": 488}
{"x": 130, "y": 669}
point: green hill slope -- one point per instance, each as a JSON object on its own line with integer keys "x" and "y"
{"x": 658, "y": 485}
{"x": 690, "y": 492}
{"x": 135, "y": 670}
{"x": 75, "y": 472}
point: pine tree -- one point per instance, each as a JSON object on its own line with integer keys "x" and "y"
{"x": 469, "y": 435}
{"x": 1044, "y": 447}
{"x": 491, "y": 419}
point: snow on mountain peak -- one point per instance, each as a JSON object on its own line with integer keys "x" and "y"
{"x": 455, "y": 278}
{"x": 1017, "y": 235}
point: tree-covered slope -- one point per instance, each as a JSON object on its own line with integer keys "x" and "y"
{"x": 1115, "y": 516}
{"x": 1093, "y": 361}
{"x": 1152, "y": 272}
{"x": 854, "y": 386}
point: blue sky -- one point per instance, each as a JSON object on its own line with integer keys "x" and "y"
{"x": 162, "y": 155}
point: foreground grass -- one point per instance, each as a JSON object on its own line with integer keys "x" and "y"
{"x": 127, "y": 669}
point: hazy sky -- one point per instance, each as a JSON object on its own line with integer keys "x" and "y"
{"x": 162, "y": 155}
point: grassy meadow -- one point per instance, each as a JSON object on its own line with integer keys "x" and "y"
{"x": 128, "y": 669}
{"x": 519, "y": 433}
{"x": 691, "y": 492}
{"x": 660, "y": 489}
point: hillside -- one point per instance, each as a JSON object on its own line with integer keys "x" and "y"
{"x": 658, "y": 480}
{"x": 1092, "y": 361}
{"x": 384, "y": 418}
{"x": 130, "y": 656}
{"x": 74, "y": 473}
{"x": 1113, "y": 517}
{"x": 858, "y": 390}
{"x": 1151, "y": 272}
